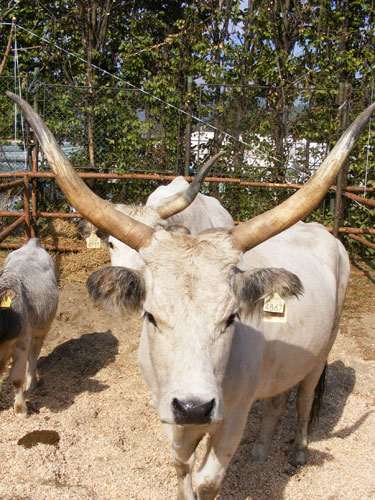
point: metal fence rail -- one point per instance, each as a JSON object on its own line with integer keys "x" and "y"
{"x": 30, "y": 215}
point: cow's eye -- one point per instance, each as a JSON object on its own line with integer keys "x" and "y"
{"x": 110, "y": 244}
{"x": 150, "y": 318}
{"x": 230, "y": 320}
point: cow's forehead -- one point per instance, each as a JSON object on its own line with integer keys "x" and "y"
{"x": 212, "y": 251}
{"x": 189, "y": 272}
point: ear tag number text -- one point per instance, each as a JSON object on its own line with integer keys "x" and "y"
{"x": 93, "y": 241}
{"x": 274, "y": 308}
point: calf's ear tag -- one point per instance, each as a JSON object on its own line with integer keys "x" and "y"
{"x": 93, "y": 241}
{"x": 7, "y": 300}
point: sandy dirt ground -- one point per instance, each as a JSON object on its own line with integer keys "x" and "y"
{"x": 91, "y": 433}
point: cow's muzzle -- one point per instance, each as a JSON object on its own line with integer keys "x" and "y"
{"x": 192, "y": 412}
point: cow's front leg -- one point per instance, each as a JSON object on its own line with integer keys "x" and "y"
{"x": 221, "y": 448}
{"x": 183, "y": 442}
{"x": 272, "y": 412}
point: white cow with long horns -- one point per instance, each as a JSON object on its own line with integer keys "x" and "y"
{"x": 230, "y": 315}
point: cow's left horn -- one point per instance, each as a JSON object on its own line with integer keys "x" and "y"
{"x": 179, "y": 201}
{"x": 253, "y": 232}
{"x": 101, "y": 213}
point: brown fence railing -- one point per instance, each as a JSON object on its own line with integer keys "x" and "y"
{"x": 30, "y": 215}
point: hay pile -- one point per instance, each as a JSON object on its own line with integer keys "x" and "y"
{"x": 59, "y": 231}
{"x": 77, "y": 266}
{"x": 72, "y": 266}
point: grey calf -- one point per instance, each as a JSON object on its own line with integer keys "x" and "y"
{"x": 28, "y": 303}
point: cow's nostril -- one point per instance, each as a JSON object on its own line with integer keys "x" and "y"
{"x": 192, "y": 412}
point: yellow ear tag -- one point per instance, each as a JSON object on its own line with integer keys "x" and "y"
{"x": 274, "y": 309}
{"x": 6, "y": 302}
{"x": 93, "y": 241}
{"x": 274, "y": 303}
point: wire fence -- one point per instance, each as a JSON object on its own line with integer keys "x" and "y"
{"x": 118, "y": 129}
{"x": 268, "y": 136}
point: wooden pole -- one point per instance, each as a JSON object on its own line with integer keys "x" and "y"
{"x": 369, "y": 202}
{"x": 170, "y": 177}
{"x": 362, "y": 240}
{"x": 10, "y": 228}
{"x": 9, "y": 185}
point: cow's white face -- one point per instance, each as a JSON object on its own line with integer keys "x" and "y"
{"x": 189, "y": 313}
{"x": 191, "y": 294}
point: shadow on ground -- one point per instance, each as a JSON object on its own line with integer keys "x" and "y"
{"x": 269, "y": 479}
{"x": 68, "y": 371}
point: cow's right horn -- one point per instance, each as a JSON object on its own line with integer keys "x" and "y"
{"x": 262, "y": 227}
{"x": 101, "y": 213}
{"x": 179, "y": 201}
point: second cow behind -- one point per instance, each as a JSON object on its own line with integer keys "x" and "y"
{"x": 203, "y": 212}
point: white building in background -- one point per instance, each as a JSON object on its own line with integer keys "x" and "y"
{"x": 258, "y": 155}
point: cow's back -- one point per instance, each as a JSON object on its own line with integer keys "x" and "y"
{"x": 302, "y": 248}
{"x": 203, "y": 213}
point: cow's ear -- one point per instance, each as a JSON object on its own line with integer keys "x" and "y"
{"x": 85, "y": 229}
{"x": 102, "y": 235}
{"x": 117, "y": 289}
{"x": 251, "y": 287}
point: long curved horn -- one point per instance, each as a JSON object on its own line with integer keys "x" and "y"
{"x": 253, "y": 232}
{"x": 92, "y": 207}
{"x": 179, "y": 201}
